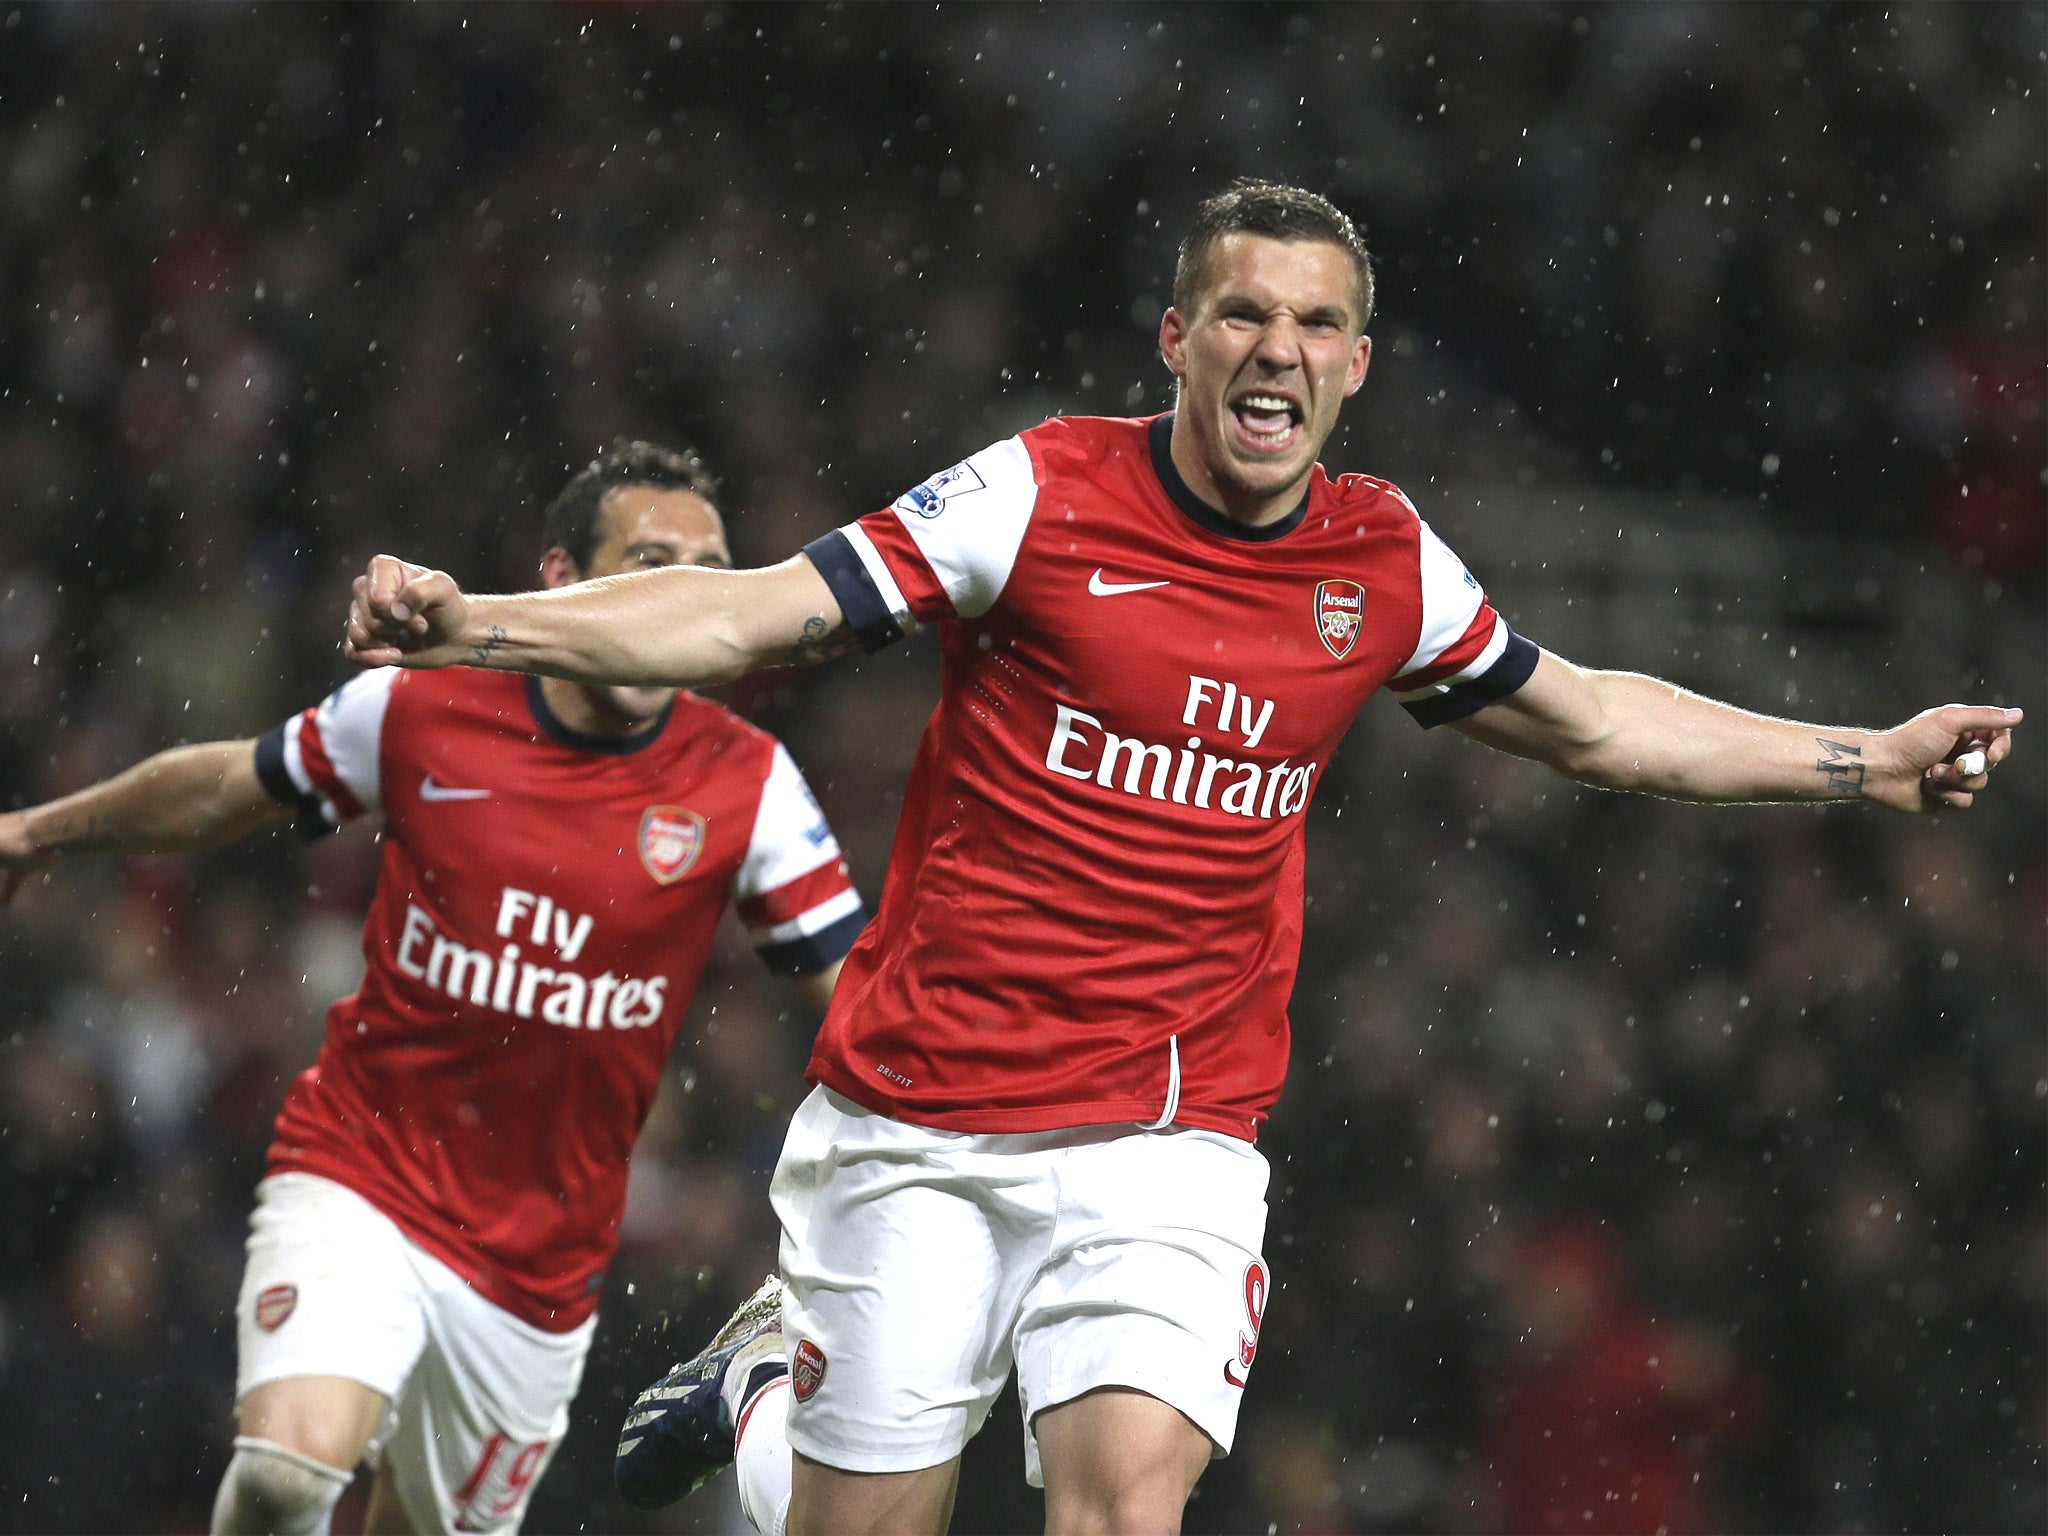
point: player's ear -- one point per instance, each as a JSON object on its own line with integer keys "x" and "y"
{"x": 1361, "y": 359}
{"x": 558, "y": 569}
{"x": 1173, "y": 341}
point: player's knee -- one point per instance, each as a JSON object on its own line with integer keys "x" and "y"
{"x": 270, "y": 1490}
{"x": 1139, "y": 1497}
{"x": 1152, "y": 1507}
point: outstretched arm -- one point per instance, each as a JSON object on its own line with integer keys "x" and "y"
{"x": 682, "y": 626}
{"x": 188, "y": 797}
{"x": 1622, "y": 730}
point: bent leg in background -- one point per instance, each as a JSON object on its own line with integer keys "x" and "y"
{"x": 299, "y": 1441}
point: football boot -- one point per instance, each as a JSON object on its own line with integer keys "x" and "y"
{"x": 682, "y": 1429}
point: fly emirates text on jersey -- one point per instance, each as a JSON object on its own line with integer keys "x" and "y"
{"x": 1083, "y": 748}
{"x": 506, "y": 983}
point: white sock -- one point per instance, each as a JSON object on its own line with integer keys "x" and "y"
{"x": 761, "y": 1459}
{"x": 274, "y": 1491}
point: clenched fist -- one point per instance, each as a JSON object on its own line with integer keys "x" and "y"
{"x": 404, "y": 615}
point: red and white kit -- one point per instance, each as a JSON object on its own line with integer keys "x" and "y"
{"x": 1092, "y": 918}
{"x": 544, "y": 907}
{"x": 1093, "y": 910}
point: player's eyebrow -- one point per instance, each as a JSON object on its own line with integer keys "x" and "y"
{"x": 666, "y": 547}
{"x": 1322, "y": 314}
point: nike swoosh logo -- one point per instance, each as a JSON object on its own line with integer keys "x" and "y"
{"x": 1103, "y": 588}
{"x": 429, "y": 790}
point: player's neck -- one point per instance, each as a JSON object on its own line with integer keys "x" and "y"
{"x": 590, "y": 712}
{"x": 1253, "y": 511}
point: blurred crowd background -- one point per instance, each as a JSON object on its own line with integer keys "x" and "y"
{"x": 1640, "y": 1164}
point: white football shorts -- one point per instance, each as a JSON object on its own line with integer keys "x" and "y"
{"x": 922, "y": 1264}
{"x": 479, "y": 1399}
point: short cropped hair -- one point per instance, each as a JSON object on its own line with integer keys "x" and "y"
{"x": 1279, "y": 212}
{"x": 572, "y": 516}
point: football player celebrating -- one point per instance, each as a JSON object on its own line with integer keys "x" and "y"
{"x": 445, "y": 1187}
{"x": 1030, "y": 1143}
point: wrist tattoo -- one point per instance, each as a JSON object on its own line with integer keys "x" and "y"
{"x": 1842, "y": 766}
{"x": 821, "y": 642}
{"x": 87, "y": 834}
{"x": 480, "y": 654}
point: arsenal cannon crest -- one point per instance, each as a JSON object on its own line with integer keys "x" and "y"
{"x": 670, "y": 840}
{"x": 1340, "y": 608}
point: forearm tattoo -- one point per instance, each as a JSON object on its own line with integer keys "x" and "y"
{"x": 1842, "y": 766}
{"x": 480, "y": 654}
{"x": 821, "y": 642}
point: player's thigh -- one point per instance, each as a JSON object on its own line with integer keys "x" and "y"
{"x": 329, "y": 1418}
{"x": 1156, "y": 1283}
{"x": 824, "y": 1501}
{"x": 1118, "y": 1461}
{"x": 482, "y": 1413}
{"x": 328, "y": 1324}
{"x": 905, "y": 1256}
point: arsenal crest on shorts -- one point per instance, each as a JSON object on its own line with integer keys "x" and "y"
{"x": 274, "y": 1305}
{"x": 1340, "y": 608}
{"x": 670, "y": 840}
{"x": 806, "y": 1370}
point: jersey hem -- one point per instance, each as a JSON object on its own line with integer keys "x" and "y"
{"x": 1139, "y": 1113}
{"x": 487, "y": 1283}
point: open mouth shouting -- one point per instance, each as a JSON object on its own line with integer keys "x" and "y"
{"x": 1268, "y": 422}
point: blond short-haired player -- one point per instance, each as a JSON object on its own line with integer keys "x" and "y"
{"x": 1030, "y": 1143}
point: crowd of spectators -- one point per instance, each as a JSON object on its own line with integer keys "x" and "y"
{"x": 1621, "y": 1135}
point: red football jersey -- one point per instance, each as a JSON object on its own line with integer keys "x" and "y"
{"x": 1093, "y": 907}
{"x": 544, "y": 907}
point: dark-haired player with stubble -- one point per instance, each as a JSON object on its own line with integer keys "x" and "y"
{"x": 445, "y": 1187}
{"x": 1037, "y": 1091}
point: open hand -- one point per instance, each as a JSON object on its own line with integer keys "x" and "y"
{"x": 404, "y": 615}
{"x": 1917, "y": 770}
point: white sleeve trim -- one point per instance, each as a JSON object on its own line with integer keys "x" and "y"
{"x": 1450, "y": 600}
{"x": 790, "y": 837}
{"x": 969, "y": 523}
{"x": 1496, "y": 644}
{"x": 879, "y": 573}
{"x": 827, "y": 912}
{"x": 350, "y": 721}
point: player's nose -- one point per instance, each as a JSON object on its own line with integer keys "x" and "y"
{"x": 1279, "y": 343}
